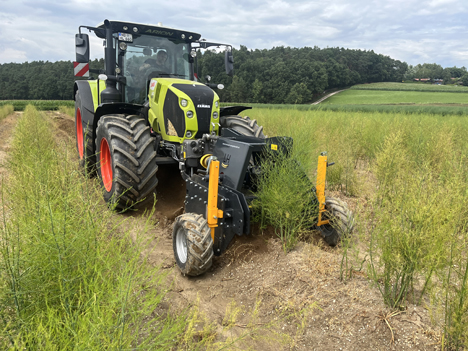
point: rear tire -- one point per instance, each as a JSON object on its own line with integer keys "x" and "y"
{"x": 84, "y": 141}
{"x": 192, "y": 244}
{"x": 243, "y": 125}
{"x": 126, "y": 161}
{"x": 341, "y": 221}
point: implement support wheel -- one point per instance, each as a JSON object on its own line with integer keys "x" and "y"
{"x": 192, "y": 244}
{"x": 341, "y": 221}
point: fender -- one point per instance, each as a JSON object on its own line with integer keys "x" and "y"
{"x": 87, "y": 105}
{"x": 232, "y": 110}
{"x": 91, "y": 111}
{"x": 115, "y": 108}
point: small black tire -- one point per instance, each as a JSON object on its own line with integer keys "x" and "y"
{"x": 341, "y": 221}
{"x": 192, "y": 244}
{"x": 126, "y": 161}
{"x": 243, "y": 125}
{"x": 84, "y": 140}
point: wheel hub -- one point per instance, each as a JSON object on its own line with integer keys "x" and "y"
{"x": 181, "y": 245}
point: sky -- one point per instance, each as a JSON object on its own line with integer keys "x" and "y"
{"x": 414, "y": 31}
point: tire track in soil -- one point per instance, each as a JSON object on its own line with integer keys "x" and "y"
{"x": 256, "y": 268}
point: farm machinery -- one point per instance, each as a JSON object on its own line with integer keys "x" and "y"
{"x": 147, "y": 109}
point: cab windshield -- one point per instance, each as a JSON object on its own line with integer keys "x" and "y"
{"x": 148, "y": 57}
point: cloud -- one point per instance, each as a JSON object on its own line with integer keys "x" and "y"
{"x": 12, "y": 55}
{"x": 408, "y": 30}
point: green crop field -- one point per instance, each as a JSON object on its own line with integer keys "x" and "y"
{"x": 379, "y": 97}
{"x": 408, "y": 174}
{"x": 42, "y": 105}
{"x": 411, "y": 87}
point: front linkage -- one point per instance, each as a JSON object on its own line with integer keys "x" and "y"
{"x": 217, "y": 200}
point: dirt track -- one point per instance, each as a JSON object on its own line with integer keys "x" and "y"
{"x": 343, "y": 316}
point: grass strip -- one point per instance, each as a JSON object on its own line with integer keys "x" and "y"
{"x": 421, "y": 87}
{"x": 389, "y": 109}
{"x": 5, "y": 111}
{"x": 41, "y": 105}
{"x": 70, "y": 277}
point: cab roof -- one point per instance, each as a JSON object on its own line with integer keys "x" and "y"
{"x": 150, "y": 29}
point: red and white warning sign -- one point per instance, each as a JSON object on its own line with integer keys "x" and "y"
{"x": 81, "y": 69}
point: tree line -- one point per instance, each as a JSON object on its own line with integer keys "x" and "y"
{"x": 39, "y": 80}
{"x": 294, "y": 75}
{"x": 433, "y": 71}
{"x": 277, "y": 75}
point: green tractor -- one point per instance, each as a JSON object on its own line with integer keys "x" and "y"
{"x": 148, "y": 109}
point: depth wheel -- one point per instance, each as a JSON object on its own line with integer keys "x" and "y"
{"x": 126, "y": 161}
{"x": 192, "y": 244}
{"x": 243, "y": 125}
{"x": 341, "y": 221}
{"x": 84, "y": 141}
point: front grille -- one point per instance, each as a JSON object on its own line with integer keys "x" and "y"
{"x": 200, "y": 95}
{"x": 174, "y": 114}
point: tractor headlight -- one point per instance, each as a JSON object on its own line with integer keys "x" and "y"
{"x": 184, "y": 103}
{"x": 123, "y": 46}
{"x": 188, "y": 134}
{"x": 189, "y": 114}
{"x": 215, "y": 115}
{"x": 216, "y": 104}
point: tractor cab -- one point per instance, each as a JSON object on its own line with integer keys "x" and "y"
{"x": 151, "y": 57}
{"x": 140, "y": 52}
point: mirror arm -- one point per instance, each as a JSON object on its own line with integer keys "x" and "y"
{"x": 101, "y": 31}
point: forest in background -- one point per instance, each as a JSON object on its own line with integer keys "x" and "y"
{"x": 278, "y": 75}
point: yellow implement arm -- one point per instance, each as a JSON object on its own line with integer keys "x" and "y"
{"x": 320, "y": 186}
{"x": 212, "y": 212}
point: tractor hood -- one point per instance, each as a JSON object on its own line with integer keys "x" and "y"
{"x": 182, "y": 109}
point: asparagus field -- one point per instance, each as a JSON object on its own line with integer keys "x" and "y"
{"x": 399, "y": 282}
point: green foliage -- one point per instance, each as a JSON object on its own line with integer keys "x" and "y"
{"x": 271, "y": 75}
{"x": 67, "y": 110}
{"x": 433, "y": 71}
{"x": 39, "y": 80}
{"x": 5, "y": 111}
{"x": 464, "y": 80}
{"x": 415, "y": 213}
{"x": 41, "y": 105}
{"x": 285, "y": 197}
{"x": 411, "y": 172}
{"x": 70, "y": 278}
{"x": 298, "y": 94}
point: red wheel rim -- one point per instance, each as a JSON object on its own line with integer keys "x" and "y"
{"x": 79, "y": 133}
{"x": 105, "y": 161}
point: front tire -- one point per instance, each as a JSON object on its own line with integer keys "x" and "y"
{"x": 243, "y": 125}
{"x": 192, "y": 244}
{"x": 126, "y": 161}
{"x": 341, "y": 221}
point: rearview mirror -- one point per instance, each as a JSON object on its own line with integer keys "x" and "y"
{"x": 82, "y": 48}
{"x": 229, "y": 62}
